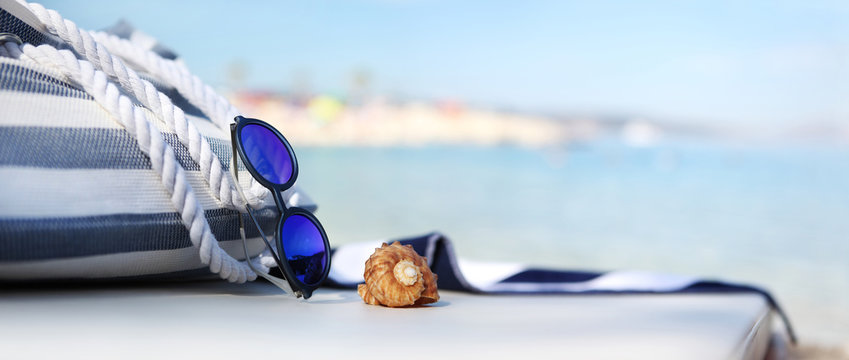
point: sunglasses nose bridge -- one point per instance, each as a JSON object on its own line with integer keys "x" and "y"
{"x": 280, "y": 202}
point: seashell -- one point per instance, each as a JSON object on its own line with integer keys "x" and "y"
{"x": 397, "y": 276}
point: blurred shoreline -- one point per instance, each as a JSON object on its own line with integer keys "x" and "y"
{"x": 324, "y": 120}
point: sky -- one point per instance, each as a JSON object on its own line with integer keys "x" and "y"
{"x": 731, "y": 62}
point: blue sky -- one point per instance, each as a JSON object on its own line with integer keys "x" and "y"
{"x": 746, "y": 62}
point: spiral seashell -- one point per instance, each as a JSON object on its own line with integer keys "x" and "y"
{"x": 397, "y": 276}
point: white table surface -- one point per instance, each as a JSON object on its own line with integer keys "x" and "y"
{"x": 220, "y": 320}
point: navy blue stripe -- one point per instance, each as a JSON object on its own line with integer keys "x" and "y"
{"x": 221, "y": 148}
{"x": 121, "y": 29}
{"x": 158, "y": 280}
{"x": 164, "y": 52}
{"x": 548, "y": 276}
{"x": 23, "y": 79}
{"x": 89, "y": 148}
{"x": 52, "y": 238}
{"x": 177, "y": 99}
{"x": 11, "y": 24}
{"x": 125, "y": 30}
{"x": 71, "y": 148}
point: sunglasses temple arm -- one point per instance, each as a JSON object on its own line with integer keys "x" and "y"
{"x": 262, "y": 234}
{"x": 283, "y": 285}
{"x": 234, "y": 164}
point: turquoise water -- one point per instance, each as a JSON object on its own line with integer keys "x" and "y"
{"x": 777, "y": 216}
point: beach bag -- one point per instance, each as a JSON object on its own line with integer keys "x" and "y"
{"x": 114, "y": 159}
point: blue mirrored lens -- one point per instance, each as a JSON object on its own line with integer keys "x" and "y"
{"x": 304, "y": 248}
{"x": 267, "y": 153}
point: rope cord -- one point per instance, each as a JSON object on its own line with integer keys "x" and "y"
{"x": 160, "y": 104}
{"x": 93, "y": 77}
{"x": 176, "y": 74}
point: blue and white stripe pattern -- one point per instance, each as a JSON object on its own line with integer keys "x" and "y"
{"x": 78, "y": 197}
{"x": 458, "y": 274}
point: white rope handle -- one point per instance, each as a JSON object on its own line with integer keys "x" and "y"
{"x": 160, "y": 104}
{"x": 151, "y": 142}
{"x": 176, "y": 75}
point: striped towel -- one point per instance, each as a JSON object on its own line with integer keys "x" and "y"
{"x": 78, "y": 197}
{"x": 458, "y": 274}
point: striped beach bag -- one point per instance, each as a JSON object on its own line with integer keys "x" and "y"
{"x": 114, "y": 159}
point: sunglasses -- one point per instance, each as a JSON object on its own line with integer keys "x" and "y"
{"x": 301, "y": 249}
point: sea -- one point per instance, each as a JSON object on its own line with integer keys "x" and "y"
{"x": 770, "y": 214}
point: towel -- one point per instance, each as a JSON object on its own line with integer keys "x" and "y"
{"x": 454, "y": 273}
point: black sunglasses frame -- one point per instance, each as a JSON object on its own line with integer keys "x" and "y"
{"x": 300, "y": 288}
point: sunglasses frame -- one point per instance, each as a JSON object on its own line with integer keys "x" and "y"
{"x": 295, "y": 286}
